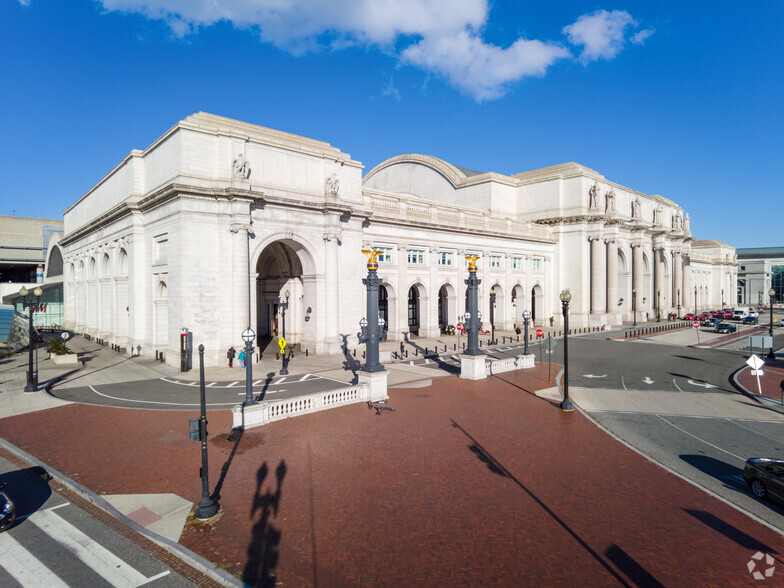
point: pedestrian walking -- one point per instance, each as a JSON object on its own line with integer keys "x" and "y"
{"x": 230, "y": 355}
{"x": 241, "y": 357}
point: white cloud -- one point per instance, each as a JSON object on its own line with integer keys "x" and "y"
{"x": 639, "y": 38}
{"x": 481, "y": 70}
{"x": 439, "y": 36}
{"x": 24, "y": 2}
{"x": 602, "y": 34}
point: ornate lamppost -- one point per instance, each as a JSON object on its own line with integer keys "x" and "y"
{"x": 283, "y": 305}
{"x": 370, "y": 327}
{"x": 634, "y": 306}
{"x": 526, "y": 317}
{"x": 473, "y": 317}
{"x": 658, "y": 305}
{"x": 32, "y": 376}
{"x": 492, "y": 316}
{"x": 695, "y": 302}
{"x": 679, "y": 302}
{"x": 771, "y": 294}
{"x": 565, "y": 297}
{"x": 248, "y": 335}
{"x": 208, "y": 507}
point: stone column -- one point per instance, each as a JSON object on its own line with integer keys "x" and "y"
{"x": 240, "y": 272}
{"x": 659, "y": 290}
{"x": 598, "y": 276}
{"x": 331, "y": 297}
{"x": 637, "y": 275}
{"x": 612, "y": 275}
{"x": 677, "y": 282}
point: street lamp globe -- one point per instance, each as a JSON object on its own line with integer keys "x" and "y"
{"x": 526, "y": 315}
{"x": 565, "y": 296}
{"x": 288, "y": 294}
{"x": 23, "y": 291}
{"x": 479, "y": 314}
{"x": 38, "y": 292}
{"x": 363, "y": 322}
{"x": 248, "y": 335}
{"x": 771, "y": 292}
{"x": 467, "y": 315}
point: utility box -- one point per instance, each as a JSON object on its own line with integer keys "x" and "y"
{"x": 194, "y": 430}
{"x": 186, "y": 350}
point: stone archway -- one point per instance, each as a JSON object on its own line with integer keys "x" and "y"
{"x": 518, "y": 304}
{"x": 537, "y": 306}
{"x": 447, "y": 310}
{"x": 285, "y": 266}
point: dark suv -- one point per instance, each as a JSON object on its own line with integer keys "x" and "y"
{"x": 750, "y": 320}
{"x": 725, "y": 328}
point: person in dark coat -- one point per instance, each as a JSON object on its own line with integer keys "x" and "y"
{"x": 230, "y": 355}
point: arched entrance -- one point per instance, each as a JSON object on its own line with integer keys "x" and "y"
{"x": 413, "y": 310}
{"x": 286, "y": 266}
{"x": 447, "y": 313}
{"x": 537, "y": 306}
{"x": 518, "y": 304}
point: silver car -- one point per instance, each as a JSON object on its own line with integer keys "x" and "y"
{"x": 765, "y": 476}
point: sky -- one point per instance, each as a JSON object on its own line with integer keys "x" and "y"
{"x": 679, "y": 98}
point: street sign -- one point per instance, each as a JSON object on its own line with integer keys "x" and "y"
{"x": 459, "y": 326}
{"x": 65, "y": 335}
{"x": 755, "y": 362}
{"x": 550, "y": 343}
{"x": 695, "y": 325}
{"x": 539, "y": 333}
{"x": 282, "y": 344}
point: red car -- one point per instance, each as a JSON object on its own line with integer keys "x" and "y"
{"x": 688, "y": 317}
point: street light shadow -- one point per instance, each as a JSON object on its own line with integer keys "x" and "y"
{"x": 730, "y": 531}
{"x": 263, "y": 549}
{"x": 629, "y": 566}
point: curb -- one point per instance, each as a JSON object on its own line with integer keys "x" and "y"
{"x": 761, "y": 400}
{"x": 186, "y": 555}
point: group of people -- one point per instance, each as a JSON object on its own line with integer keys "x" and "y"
{"x": 231, "y": 353}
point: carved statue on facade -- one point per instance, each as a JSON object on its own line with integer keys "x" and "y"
{"x": 686, "y": 223}
{"x": 636, "y": 208}
{"x": 657, "y": 214}
{"x": 241, "y": 167}
{"x": 593, "y": 202}
{"x": 332, "y": 185}
{"x": 679, "y": 220}
{"x": 610, "y": 201}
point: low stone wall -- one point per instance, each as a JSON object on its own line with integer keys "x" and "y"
{"x": 520, "y": 362}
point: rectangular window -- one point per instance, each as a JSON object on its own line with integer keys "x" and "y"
{"x": 445, "y": 258}
{"x": 160, "y": 250}
{"x": 416, "y": 256}
{"x": 495, "y": 262}
{"x": 536, "y": 264}
{"x": 517, "y": 263}
{"x": 386, "y": 254}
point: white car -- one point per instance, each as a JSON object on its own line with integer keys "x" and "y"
{"x": 781, "y": 323}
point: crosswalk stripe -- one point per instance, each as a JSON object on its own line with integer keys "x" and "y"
{"x": 107, "y": 565}
{"x": 24, "y": 567}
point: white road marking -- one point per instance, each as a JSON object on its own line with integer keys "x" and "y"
{"x": 211, "y": 384}
{"x": 23, "y": 566}
{"x": 305, "y": 377}
{"x": 102, "y": 561}
{"x": 156, "y": 402}
{"x": 283, "y": 379}
{"x": 648, "y": 380}
{"x": 231, "y": 384}
{"x": 753, "y": 431}
{"x": 702, "y": 440}
{"x": 702, "y": 384}
{"x": 592, "y": 376}
{"x": 676, "y": 385}
{"x": 623, "y": 384}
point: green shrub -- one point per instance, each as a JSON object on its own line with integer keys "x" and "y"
{"x": 57, "y": 346}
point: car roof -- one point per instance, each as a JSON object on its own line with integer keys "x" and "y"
{"x": 766, "y": 460}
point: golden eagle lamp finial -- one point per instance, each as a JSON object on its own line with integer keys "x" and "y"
{"x": 472, "y": 261}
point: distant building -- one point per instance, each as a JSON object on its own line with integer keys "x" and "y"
{"x": 218, "y": 221}
{"x": 760, "y": 269}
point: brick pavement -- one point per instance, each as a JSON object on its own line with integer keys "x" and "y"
{"x": 466, "y": 483}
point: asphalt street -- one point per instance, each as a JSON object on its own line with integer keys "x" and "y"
{"x": 54, "y": 543}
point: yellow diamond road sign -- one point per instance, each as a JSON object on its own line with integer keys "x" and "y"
{"x": 282, "y": 343}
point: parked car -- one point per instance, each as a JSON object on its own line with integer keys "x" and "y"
{"x": 724, "y": 314}
{"x": 688, "y": 317}
{"x": 725, "y": 328}
{"x": 750, "y": 320}
{"x": 765, "y": 477}
{"x": 781, "y": 323}
{"x": 710, "y": 322}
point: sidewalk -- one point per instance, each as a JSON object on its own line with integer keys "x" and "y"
{"x": 469, "y": 483}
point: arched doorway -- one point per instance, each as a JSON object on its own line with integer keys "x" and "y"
{"x": 413, "y": 310}
{"x": 447, "y": 312}
{"x": 518, "y": 304}
{"x": 537, "y": 306}
{"x": 286, "y": 266}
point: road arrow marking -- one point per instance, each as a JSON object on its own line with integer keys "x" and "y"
{"x": 702, "y": 384}
{"x": 592, "y": 376}
{"x": 648, "y": 380}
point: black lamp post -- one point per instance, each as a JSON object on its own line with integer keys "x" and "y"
{"x": 658, "y": 305}
{"x": 695, "y": 302}
{"x": 565, "y": 297}
{"x": 771, "y": 294}
{"x": 208, "y": 507}
{"x": 472, "y": 315}
{"x": 32, "y": 376}
{"x": 634, "y": 306}
{"x": 492, "y": 316}
{"x": 248, "y": 335}
{"x": 526, "y": 317}
{"x": 284, "y": 371}
{"x": 371, "y": 327}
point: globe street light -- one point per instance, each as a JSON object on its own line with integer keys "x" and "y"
{"x": 248, "y": 335}
{"x": 565, "y": 297}
{"x": 771, "y": 294}
{"x": 526, "y": 316}
{"x": 32, "y": 376}
{"x": 492, "y": 316}
{"x": 679, "y": 303}
{"x": 284, "y": 362}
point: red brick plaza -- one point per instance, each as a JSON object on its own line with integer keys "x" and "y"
{"x": 466, "y": 483}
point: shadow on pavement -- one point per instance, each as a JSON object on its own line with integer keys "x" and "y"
{"x": 265, "y": 540}
{"x": 494, "y": 466}
{"x": 729, "y": 531}
{"x": 28, "y": 488}
{"x": 629, "y": 566}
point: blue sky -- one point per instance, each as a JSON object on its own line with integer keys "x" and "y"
{"x": 682, "y": 99}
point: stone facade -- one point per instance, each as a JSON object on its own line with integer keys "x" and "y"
{"x": 210, "y": 227}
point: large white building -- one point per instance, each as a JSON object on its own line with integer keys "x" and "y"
{"x": 209, "y": 227}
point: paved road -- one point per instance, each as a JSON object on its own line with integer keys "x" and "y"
{"x": 54, "y": 543}
{"x": 676, "y": 405}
